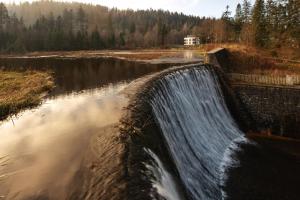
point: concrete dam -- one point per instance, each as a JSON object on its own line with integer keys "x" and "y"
{"x": 185, "y": 137}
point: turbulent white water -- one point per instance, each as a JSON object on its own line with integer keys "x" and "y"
{"x": 163, "y": 182}
{"x": 198, "y": 129}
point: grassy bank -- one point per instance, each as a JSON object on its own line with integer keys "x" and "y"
{"x": 19, "y": 90}
{"x": 251, "y": 60}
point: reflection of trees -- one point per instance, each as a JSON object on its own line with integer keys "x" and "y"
{"x": 78, "y": 74}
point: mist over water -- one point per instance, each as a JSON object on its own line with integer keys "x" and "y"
{"x": 198, "y": 129}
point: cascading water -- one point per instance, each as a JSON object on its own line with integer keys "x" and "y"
{"x": 198, "y": 129}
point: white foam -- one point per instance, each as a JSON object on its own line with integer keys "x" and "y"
{"x": 199, "y": 130}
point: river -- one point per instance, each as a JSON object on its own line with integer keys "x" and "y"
{"x": 41, "y": 149}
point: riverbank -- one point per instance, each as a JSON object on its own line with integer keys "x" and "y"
{"x": 20, "y": 90}
{"x": 250, "y": 60}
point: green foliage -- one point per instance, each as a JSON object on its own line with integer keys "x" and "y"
{"x": 259, "y": 24}
{"x": 238, "y": 21}
{"x": 246, "y": 11}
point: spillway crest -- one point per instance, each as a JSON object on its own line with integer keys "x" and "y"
{"x": 197, "y": 127}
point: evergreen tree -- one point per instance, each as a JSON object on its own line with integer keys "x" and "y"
{"x": 95, "y": 41}
{"x": 122, "y": 39}
{"x": 68, "y": 20}
{"x": 132, "y": 27}
{"x": 59, "y": 39}
{"x": 3, "y": 16}
{"x": 246, "y": 11}
{"x": 81, "y": 20}
{"x": 227, "y": 26}
{"x": 259, "y": 24}
{"x": 161, "y": 32}
{"x": 3, "y": 23}
{"x": 226, "y": 14}
{"x": 238, "y": 21}
{"x": 111, "y": 32}
{"x": 283, "y": 18}
{"x": 272, "y": 20}
{"x": 293, "y": 10}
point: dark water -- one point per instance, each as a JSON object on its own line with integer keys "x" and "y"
{"x": 74, "y": 75}
{"x": 41, "y": 149}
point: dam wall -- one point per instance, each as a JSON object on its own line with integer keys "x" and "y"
{"x": 271, "y": 103}
{"x": 273, "y": 109}
{"x": 155, "y": 169}
{"x": 218, "y": 57}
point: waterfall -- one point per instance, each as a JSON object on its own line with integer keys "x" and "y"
{"x": 198, "y": 129}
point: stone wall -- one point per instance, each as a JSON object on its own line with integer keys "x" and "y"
{"x": 273, "y": 108}
{"x": 276, "y": 109}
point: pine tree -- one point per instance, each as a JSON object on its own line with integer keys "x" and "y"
{"x": 122, "y": 39}
{"x": 238, "y": 21}
{"x": 246, "y": 11}
{"x": 68, "y": 20}
{"x": 161, "y": 32}
{"x": 95, "y": 41}
{"x": 293, "y": 9}
{"x": 259, "y": 24}
{"x": 272, "y": 20}
{"x": 3, "y": 16}
{"x": 59, "y": 38}
{"x": 227, "y": 24}
{"x": 81, "y": 20}
{"x": 226, "y": 14}
{"x": 111, "y": 32}
{"x": 282, "y": 16}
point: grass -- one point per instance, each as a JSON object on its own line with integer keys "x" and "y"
{"x": 19, "y": 90}
{"x": 248, "y": 59}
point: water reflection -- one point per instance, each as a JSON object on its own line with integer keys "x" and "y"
{"x": 44, "y": 147}
{"x": 41, "y": 149}
{"x": 73, "y": 75}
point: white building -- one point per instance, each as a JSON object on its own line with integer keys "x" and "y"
{"x": 191, "y": 40}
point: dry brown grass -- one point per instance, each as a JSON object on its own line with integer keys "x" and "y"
{"x": 248, "y": 59}
{"x": 22, "y": 89}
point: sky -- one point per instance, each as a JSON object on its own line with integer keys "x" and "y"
{"x": 209, "y": 8}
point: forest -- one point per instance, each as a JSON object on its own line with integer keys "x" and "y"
{"x": 56, "y": 26}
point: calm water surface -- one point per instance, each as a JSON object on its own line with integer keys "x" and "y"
{"x": 41, "y": 149}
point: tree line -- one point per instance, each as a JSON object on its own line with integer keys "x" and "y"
{"x": 268, "y": 24}
{"x": 50, "y": 26}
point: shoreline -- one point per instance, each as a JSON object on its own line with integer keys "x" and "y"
{"x": 22, "y": 90}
